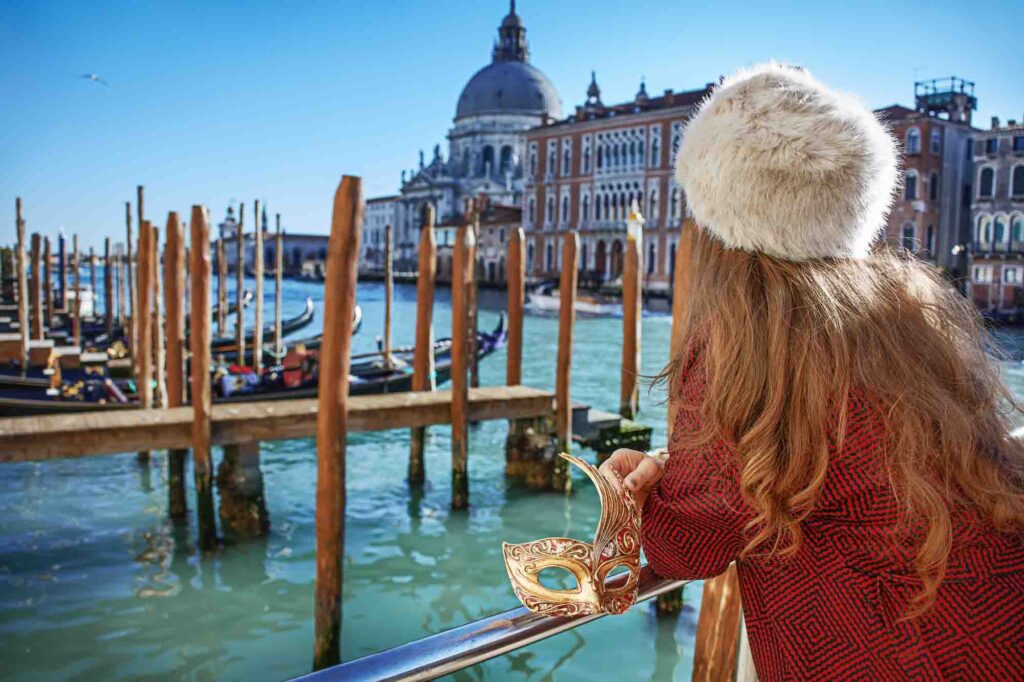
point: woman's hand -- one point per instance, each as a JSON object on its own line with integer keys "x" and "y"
{"x": 640, "y": 472}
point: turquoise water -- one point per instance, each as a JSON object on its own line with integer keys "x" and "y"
{"x": 97, "y": 583}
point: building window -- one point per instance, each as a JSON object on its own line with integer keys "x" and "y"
{"x": 585, "y": 209}
{"x": 1017, "y": 182}
{"x": 597, "y": 208}
{"x": 565, "y": 210}
{"x": 652, "y": 258}
{"x": 653, "y": 210}
{"x": 549, "y": 258}
{"x": 1017, "y": 231}
{"x": 913, "y": 141}
{"x": 533, "y": 161}
{"x": 586, "y": 161}
{"x": 529, "y": 257}
{"x": 506, "y": 159}
{"x": 933, "y": 186}
{"x": 910, "y": 186}
{"x": 930, "y": 240}
{"x": 992, "y": 145}
{"x": 936, "y": 142}
{"x": 488, "y": 161}
{"x": 986, "y": 182}
{"x": 983, "y": 232}
{"x": 1011, "y": 274}
{"x": 531, "y": 211}
{"x": 655, "y": 156}
{"x": 1000, "y": 233}
{"x": 550, "y": 215}
{"x": 982, "y": 274}
{"x": 566, "y": 162}
{"x": 909, "y": 237}
{"x": 673, "y": 209}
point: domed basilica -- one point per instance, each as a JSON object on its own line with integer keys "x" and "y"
{"x": 486, "y": 146}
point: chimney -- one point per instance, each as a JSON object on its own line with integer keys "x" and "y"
{"x": 669, "y": 98}
{"x": 995, "y": 122}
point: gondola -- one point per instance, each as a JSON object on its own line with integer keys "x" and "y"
{"x": 12, "y": 376}
{"x": 228, "y": 344}
{"x": 276, "y": 356}
{"x": 368, "y": 375}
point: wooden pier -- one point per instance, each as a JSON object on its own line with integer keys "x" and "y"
{"x": 541, "y": 422}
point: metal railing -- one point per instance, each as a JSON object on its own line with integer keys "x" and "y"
{"x": 472, "y": 643}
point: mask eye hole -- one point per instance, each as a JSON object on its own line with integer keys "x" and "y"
{"x": 621, "y": 569}
{"x": 557, "y": 578}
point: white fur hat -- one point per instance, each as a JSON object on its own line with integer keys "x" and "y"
{"x": 776, "y": 162}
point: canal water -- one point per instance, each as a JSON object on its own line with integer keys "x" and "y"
{"x": 97, "y": 583}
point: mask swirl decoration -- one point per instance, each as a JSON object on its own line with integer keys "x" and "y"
{"x": 616, "y": 543}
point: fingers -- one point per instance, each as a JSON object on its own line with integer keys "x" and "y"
{"x": 644, "y": 475}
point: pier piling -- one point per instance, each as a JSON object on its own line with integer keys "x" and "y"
{"x": 47, "y": 286}
{"x": 257, "y": 331}
{"x": 462, "y": 282}
{"x": 240, "y": 285}
{"x": 76, "y": 315}
{"x": 473, "y": 215}
{"x": 108, "y": 289}
{"x": 332, "y": 417}
{"x": 222, "y": 289}
{"x": 278, "y": 287}
{"x": 62, "y": 263}
{"x": 389, "y": 292}
{"x": 566, "y": 321}
{"x": 22, "y": 266}
{"x": 199, "y": 342}
{"x": 243, "y": 507}
{"x": 632, "y": 305}
{"x": 159, "y": 340}
{"x": 174, "y": 299}
{"x": 130, "y": 328}
{"x": 35, "y": 301}
{"x": 143, "y": 323}
{"x": 423, "y": 355}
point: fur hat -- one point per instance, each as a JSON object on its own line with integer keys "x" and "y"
{"x": 776, "y": 162}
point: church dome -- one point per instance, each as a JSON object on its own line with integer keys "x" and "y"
{"x": 509, "y": 87}
{"x": 509, "y": 84}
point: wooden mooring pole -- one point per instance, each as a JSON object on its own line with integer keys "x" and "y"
{"x": 108, "y": 289}
{"x": 77, "y": 310}
{"x": 47, "y": 286}
{"x": 62, "y": 264}
{"x": 199, "y": 342}
{"x": 222, "y": 288}
{"x": 632, "y": 305}
{"x": 473, "y": 297}
{"x": 278, "y": 287}
{"x": 22, "y": 266}
{"x": 92, "y": 279}
{"x": 462, "y": 282}
{"x": 566, "y": 320}
{"x": 332, "y": 417}
{"x": 423, "y": 355}
{"x": 257, "y": 332}
{"x": 174, "y": 301}
{"x": 240, "y": 285}
{"x": 122, "y": 292}
{"x": 516, "y": 279}
{"x": 130, "y": 321}
{"x": 35, "y": 300}
{"x": 389, "y": 292}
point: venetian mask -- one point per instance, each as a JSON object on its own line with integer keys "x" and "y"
{"x": 616, "y": 544}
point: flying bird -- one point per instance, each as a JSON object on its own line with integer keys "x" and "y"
{"x": 94, "y": 78}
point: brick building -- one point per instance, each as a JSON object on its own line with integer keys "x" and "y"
{"x": 997, "y": 207}
{"x": 931, "y": 215}
{"x": 584, "y": 172}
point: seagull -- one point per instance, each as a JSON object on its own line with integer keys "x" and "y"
{"x": 94, "y": 78}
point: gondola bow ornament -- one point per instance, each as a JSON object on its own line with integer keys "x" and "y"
{"x": 616, "y": 544}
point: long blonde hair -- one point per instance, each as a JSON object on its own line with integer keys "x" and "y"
{"x": 785, "y": 343}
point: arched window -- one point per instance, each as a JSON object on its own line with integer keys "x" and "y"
{"x": 654, "y": 153}
{"x": 599, "y": 157}
{"x": 908, "y": 238}
{"x": 549, "y": 258}
{"x": 1017, "y": 231}
{"x": 583, "y": 257}
{"x": 983, "y": 231}
{"x": 529, "y": 257}
{"x": 910, "y": 185}
{"x": 607, "y": 208}
{"x": 533, "y": 163}
{"x": 531, "y": 211}
{"x": 933, "y": 186}
{"x": 586, "y": 208}
{"x": 506, "y": 158}
{"x": 566, "y": 161}
{"x": 586, "y": 160}
{"x": 632, "y": 153}
{"x": 936, "y": 140}
{"x": 930, "y": 240}
{"x": 487, "y": 161}
{"x": 623, "y": 153}
{"x": 674, "y": 203}
{"x": 550, "y": 217}
{"x": 651, "y": 258}
{"x": 1017, "y": 182}
{"x": 597, "y": 208}
{"x": 913, "y": 141}
{"x": 986, "y": 182}
{"x": 653, "y": 210}
{"x": 565, "y": 210}
{"x": 640, "y": 152}
{"x": 465, "y": 161}
{"x": 1001, "y": 235}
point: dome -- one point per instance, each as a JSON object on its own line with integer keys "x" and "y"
{"x": 509, "y": 87}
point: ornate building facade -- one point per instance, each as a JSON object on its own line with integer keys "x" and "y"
{"x": 997, "y": 206}
{"x": 486, "y": 144}
{"x": 585, "y": 171}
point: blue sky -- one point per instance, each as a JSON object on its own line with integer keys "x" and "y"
{"x": 215, "y": 101}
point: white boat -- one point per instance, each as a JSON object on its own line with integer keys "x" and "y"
{"x": 548, "y": 300}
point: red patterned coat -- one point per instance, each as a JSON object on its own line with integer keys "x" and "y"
{"x": 833, "y": 611}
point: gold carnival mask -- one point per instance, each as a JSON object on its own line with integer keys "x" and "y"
{"x": 616, "y": 543}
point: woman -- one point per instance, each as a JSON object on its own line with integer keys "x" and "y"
{"x": 840, "y": 433}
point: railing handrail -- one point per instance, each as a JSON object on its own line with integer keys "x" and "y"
{"x": 452, "y": 650}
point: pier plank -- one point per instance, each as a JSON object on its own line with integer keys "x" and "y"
{"x": 24, "y": 439}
